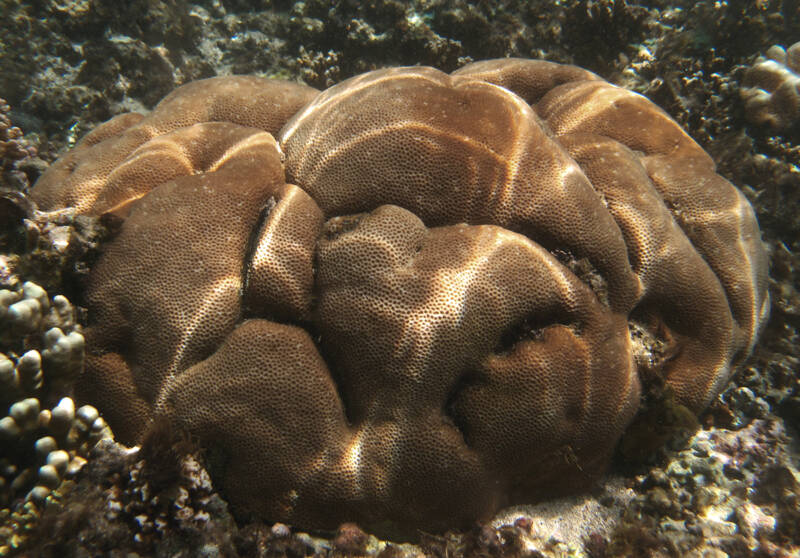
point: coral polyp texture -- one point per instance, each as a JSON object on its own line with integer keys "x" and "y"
{"x": 771, "y": 88}
{"x": 414, "y": 297}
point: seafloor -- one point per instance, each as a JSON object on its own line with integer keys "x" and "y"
{"x": 726, "y": 486}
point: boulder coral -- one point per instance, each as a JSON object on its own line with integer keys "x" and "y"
{"x": 771, "y": 88}
{"x": 414, "y": 297}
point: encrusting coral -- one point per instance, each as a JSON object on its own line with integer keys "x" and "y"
{"x": 771, "y": 88}
{"x": 433, "y": 295}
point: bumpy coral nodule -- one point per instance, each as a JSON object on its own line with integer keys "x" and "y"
{"x": 429, "y": 298}
{"x": 44, "y": 439}
{"x": 771, "y": 88}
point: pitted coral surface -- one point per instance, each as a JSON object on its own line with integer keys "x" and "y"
{"x": 425, "y": 297}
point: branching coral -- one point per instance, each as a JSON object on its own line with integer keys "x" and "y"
{"x": 41, "y": 442}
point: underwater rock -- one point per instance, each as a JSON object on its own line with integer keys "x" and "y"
{"x": 434, "y": 295}
{"x": 727, "y": 491}
{"x": 54, "y": 249}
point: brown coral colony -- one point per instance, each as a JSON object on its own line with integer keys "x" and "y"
{"x": 414, "y": 297}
